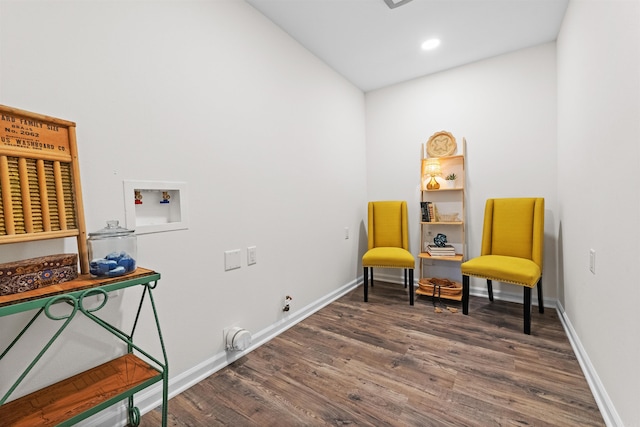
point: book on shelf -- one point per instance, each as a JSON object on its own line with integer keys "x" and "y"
{"x": 424, "y": 209}
{"x": 432, "y": 212}
{"x": 436, "y": 255}
{"x": 446, "y": 250}
{"x": 428, "y": 211}
{"x": 441, "y": 248}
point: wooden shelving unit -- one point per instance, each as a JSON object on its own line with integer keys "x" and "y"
{"x": 445, "y": 201}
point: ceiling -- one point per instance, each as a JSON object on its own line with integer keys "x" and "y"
{"x": 373, "y": 45}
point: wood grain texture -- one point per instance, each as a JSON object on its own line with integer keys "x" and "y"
{"x": 385, "y": 363}
{"x": 57, "y": 403}
{"x": 84, "y": 281}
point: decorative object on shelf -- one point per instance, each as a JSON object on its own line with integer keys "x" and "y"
{"x": 440, "y": 240}
{"x": 448, "y": 217}
{"x": 440, "y": 288}
{"x": 40, "y": 181}
{"x": 450, "y": 180}
{"x": 34, "y": 273}
{"x": 445, "y": 287}
{"x": 165, "y": 197}
{"x": 112, "y": 251}
{"x": 138, "y": 197}
{"x": 432, "y": 169}
{"x": 440, "y": 251}
{"x": 441, "y": 144}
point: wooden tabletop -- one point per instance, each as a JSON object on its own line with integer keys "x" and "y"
{"x": 83, "y": 282}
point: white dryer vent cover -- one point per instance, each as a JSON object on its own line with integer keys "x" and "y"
{"x": 238, "y": 339}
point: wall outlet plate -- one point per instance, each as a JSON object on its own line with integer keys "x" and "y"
{"x": 231, "y": 259}
{"x": 251, "y": 255}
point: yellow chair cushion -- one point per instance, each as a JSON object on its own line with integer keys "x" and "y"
{"x": 502, "y": 268}
{"x": 388, "y": 258}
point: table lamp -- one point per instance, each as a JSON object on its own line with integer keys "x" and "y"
{"x": 432, "y": 169}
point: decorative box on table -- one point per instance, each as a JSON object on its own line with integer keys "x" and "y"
{"x": 34, "y": 273}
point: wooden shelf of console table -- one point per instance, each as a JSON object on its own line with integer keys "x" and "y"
{"x": 38, "y": 298}
{"x": 67, "y": 402}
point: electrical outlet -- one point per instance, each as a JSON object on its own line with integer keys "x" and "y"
{"x": 592, "y": 260}
{"x": 251, "y": 255}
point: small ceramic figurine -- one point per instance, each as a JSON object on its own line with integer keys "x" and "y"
{"x": 440, "y": 240}
{"x": 165, "y": 197}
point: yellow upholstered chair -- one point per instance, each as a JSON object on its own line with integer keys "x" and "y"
{"x": 388, "y": 245}
{"x": 512, "y": 250}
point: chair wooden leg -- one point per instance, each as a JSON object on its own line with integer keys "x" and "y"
{"x": 465, "y": 294}
{"x": 366, "y": 284}
{"x": 540, "y": 300}
{"x": 490, "y": 289}
{"x": 527, "y": 310}
{"x": 405, "y": 277}
{"x": 371, "y": 276}
{"x": 411, "y": 296}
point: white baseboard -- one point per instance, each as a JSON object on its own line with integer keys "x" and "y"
{"x": 608, "y": 411}
{"x": 151, "y": 397}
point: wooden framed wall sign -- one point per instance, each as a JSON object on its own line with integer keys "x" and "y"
{"x": 41, "y": 195}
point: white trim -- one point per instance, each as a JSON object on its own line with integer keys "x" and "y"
{"x": 607, "y": 409}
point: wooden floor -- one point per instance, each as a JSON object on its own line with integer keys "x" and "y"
{"x": 387, "y": 363}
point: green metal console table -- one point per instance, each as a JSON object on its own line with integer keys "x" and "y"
{"x": 81, "y": 396}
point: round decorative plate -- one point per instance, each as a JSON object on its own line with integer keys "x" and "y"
{"x": 441, "y": 144}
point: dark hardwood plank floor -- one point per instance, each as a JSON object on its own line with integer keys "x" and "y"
{"x": 385, "y": 363}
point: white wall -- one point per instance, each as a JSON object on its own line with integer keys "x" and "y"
{"x": 598, "y": 196}
{"x": 505, "y": 107}
{"x": 270, "y": 141}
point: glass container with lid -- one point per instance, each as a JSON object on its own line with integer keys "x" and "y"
{"x": 112, "y": 251}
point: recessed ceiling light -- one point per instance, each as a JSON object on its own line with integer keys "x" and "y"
{"x": 430, "y": 44}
